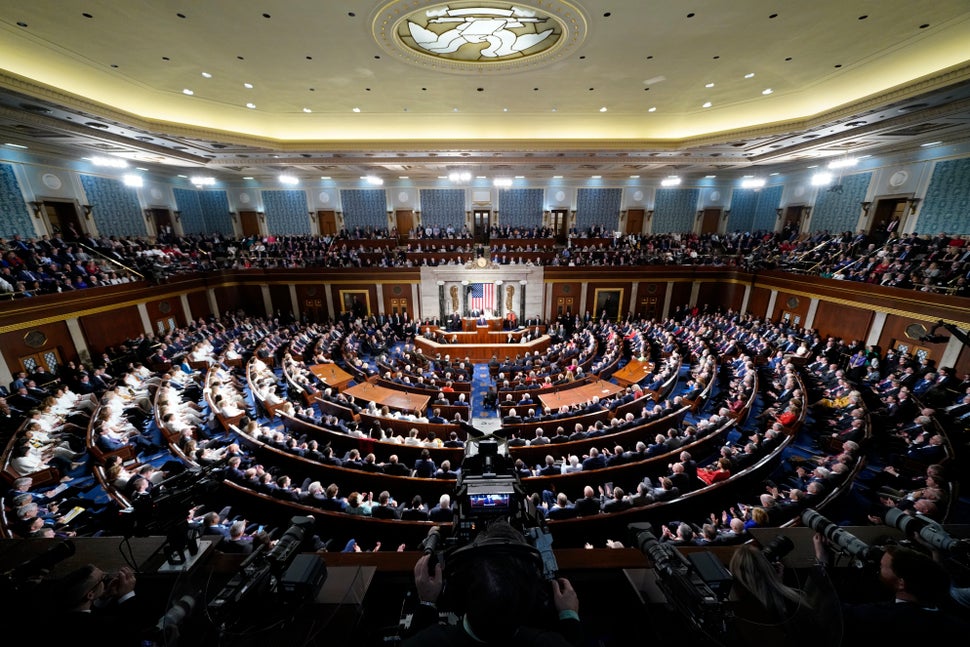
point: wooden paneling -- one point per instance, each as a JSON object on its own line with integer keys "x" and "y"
{"x": 165, "y": 309}
{"x": 282, "y": 303}
{"x": 846, "y": 322}
{"x": 565, "y": 298}
{"x": 54, "y": 336}
{"x": 726, "y": 296}
{"x": 199, "y": 304}
{"x": 352, "y": 290}
{"x": 962, "y": 365}
{"x": 895, "y": 331}
{"x": 680, "y": 296}
{"x": 650, "y": 299}
{"x": 758, "y": 301}
{"x": 110, "y": 328}
{"x": 397, "y": 298}
{"x": 794, "y": 305}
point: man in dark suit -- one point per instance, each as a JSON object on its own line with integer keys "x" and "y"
{"x": 512, "y": 419}
{"x": 594, "y": 461}
{"x": 589, "y": 504}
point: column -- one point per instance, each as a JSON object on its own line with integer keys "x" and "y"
{"x": 522, "y": 285}
{"x": 416, "y": 314}
{"x": 581, "y": 310}
{"x": 499, "y": 299}
{"x": 146, "y": 323}
{"x": 695, "y": 290}
{"x": 810, "y": 317}
{"x": 267, "y": 301}
{"x": 632, "y": 306}
{"x": 668, "y": 295}
{"x": 296, "y": 303}
{"x": 875, "y": 329}
{"x": 80, "y": 343}
{"x": 333, "y": 313}
{"x": 771, "y": 305}
{"x": 441, "y": 301}
{"x": 745, "y": 298}
{"x": 186, "y": 308}
{"x": 213, "y": 303}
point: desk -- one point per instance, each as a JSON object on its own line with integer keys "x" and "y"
{"x": 633, "y": 372}
{"x": 391, "y": 397}
{"x": 482, "y": 344}
{"x": 579, "y": 394}
{"x": 332, "y": 375}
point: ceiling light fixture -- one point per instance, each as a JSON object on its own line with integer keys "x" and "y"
{"x": 767, "y": 91}
{"x": 251, "y": 106}
{"x": 289, "y": 179}
{"x": 247, "y": 177}
{"x": 15, "y": 145}
{"x": 132, "y": 180}
{"x": 373, "y": 179}
{"x": 187, "y": 91}
{"x": 822, "y": 179}
{"x": 928, "y": 144}
{"x": 206, "y": 75}
{"x": 110, "y": 162}
{"x": 707, "y": 104}
{"x": 603, "y": 109}
{"x": 752, "y": 183}
{"x": 652, "y": 109}
{"x": 673, "y": 180}
{"x": 248, "y": 86}
{"x": 202, "y": 180}
{"x": 709, "y": 85}
{"x": 843, "y": 163}
{"x": 355, "y": 109}
{"x": 307, "y": 110}
{"x": 502, "y": 182}
{"x": 749, "y": 75}
{"x": 596, "y": 177}
{"x": 459, "y": 176}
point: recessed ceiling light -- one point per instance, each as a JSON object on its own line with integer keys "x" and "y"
{"x": 454, "y": 109}
{"x": 15, "y": 145}
{"x": 505, "y": 109}
{"x": 403, "y": 177}
{"x": 183, "y": 176}
{"x": 187, "y": 91}
{"x": 554, "y": 109}
{"x": 767, "y": 91}
{"x": 251, "y": 106}
{"x": 927, "y": 144}
{"x": 603, "y": 109}
{"x": 710, "y": 177}
{"x": 206, "y": 75}
{"x": 307, "y": 110}
{"x": 707, "y": 104}
{"x": 519, "y": 177}
{"x": 247, "y": 177}
{"x": 481, "y": 177}
{"x": 652, "y": 109}
{"x": 140, "y": 168}
{"x": 709, "y": 85}
{"x": 634, "y": 177}
{"x": 356, "y": 109}
{"x": 595, "y": 177}
{"x": 556, "y": 177}
{"x": 324, "y": 177}
{"x": 749, "y": 75}
{"x": 248, "y": 86}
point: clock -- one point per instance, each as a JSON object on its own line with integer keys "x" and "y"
{"x": 482, "y": 261}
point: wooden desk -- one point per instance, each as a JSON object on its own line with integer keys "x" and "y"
{"x": 332, "y": 375}
{"x": 391, "y": 397}
{"x": 482, "y": 344}
{"x": 633, "y": 372}
{"x": 579, "y": 394}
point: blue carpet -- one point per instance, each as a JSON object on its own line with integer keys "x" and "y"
{"x": 481, "y": 380}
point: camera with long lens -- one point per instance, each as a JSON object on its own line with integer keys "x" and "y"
{"x": 776, "y": 549}
{"x": 928, "y": 530}
{"x": 842, "y": 540}
{"x": 695, "y": 587}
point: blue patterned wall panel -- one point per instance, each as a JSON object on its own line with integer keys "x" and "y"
{"x": 443, "y": 207}
{"x": 286, "y": 212}
{"x": 946, "y": 207}
{"x": 215, "y": 210}
{"x": 115, "y": 206}
{"x": 14, "y": 217}
{"x": 675, "y": 210}
{"x": 837, "y": 211}
{"x": 364, "y": 208}
{"x": 766, "y": 209}
{"x": 744, "y": 203}
{"x": 598, "y": 207}
{"x": 192, "y": 220}
{"x": 521, "y": 207}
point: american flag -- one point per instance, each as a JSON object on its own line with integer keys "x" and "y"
{"x": 483, "y": 296}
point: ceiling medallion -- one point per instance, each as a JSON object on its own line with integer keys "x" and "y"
{"x": 467, "y": 36}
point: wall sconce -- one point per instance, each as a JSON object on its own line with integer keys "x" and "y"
{"x": 312, "y": 214}
{"x": 262, "y": 216}
{"x": 88, "y": 208}
{"x": 178, "y": 215}
{"x": 38, "y": 208}
{"x": 649, "y": 215}
{"x": 913, "y": 203}
{"x": 232, "y": 214}
{"x": 865, "y": 209}
{"x": 700, "y": 214}
{"x": 148, "y": 215}
{"x": 726, "y": 214}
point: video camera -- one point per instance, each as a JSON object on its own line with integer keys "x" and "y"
{"x": 841, "y": 540}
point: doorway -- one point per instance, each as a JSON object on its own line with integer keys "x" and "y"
{"x": 710, "y": 220}
{"x": 327, "y": 218}
{"x": 482, "y": 219}
{"x": 164, "y": 228}
{"x": 249, "y": 220}
{"x": 888, "y": 211}
{"x": 634, "y": 221}
{"x": 404, "y": 221}
{"x": 62, "y": 219}
{"x": 560, "y": 225}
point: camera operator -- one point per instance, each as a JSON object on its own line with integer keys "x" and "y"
{"x": 920, "y": 609}
{"x": 500, "y": 599}
{"x": 767, "y": 611}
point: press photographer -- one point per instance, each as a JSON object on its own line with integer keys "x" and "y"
{"x": 495, "y": 576}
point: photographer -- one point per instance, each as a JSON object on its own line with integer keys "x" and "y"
{"x": 920, "y": 609}
{"x": 767, "y": 611}
{"x": 500, "y": 598}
